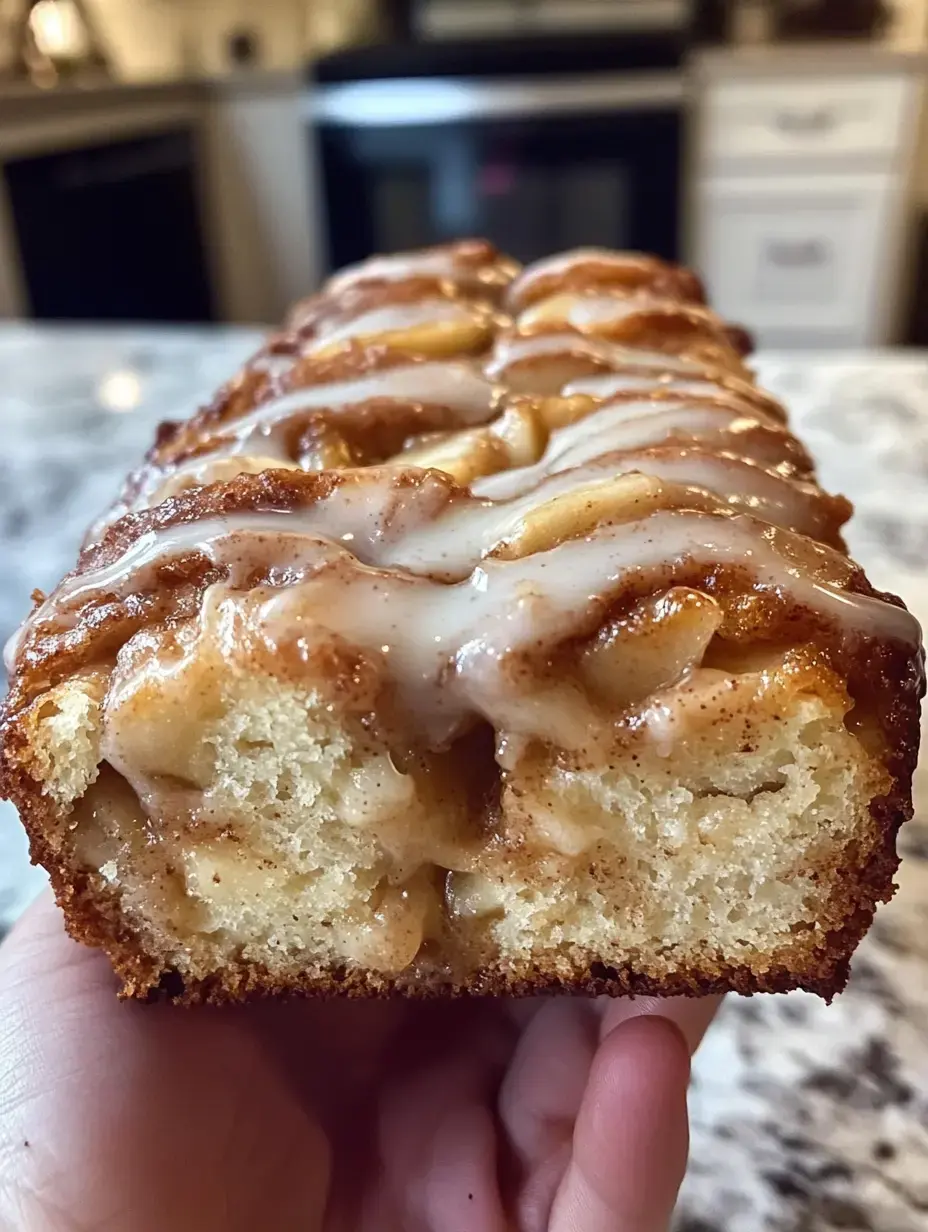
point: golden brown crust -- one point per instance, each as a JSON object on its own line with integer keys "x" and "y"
{"x": 374, "y": 433}
{"x": 660, "y": 278}
{"x": 472, "y": 266}
{"x": 312, "y": 314}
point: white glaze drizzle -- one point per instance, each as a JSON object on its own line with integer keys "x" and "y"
{"x": 590, "y": 312}
{"x": 382, "y": 525}
{"x": 732, "y": 392}
{"x": 496, "y": 609}
{"x": 364, "y": 511}
{"x": 562, "y": 262}
{"x": 456, "y": 384}
{"x": 433, "y": 314}
{"x": 791, "y": 504}
{"x": 514, "y": 348}
{"x": 503, "y": 608}
{"x": 274, "y": 365}
{"x": 566, "y": 262}
{"x": 745, "y": 486}
{"x": 421, "y": 263}
{"x": 507, "y": 609}
{"x": 368, "y": 513}
{"x": 636, "y": 425}
{"x": 611, "y": 428}
{"x": 395, "y": 268}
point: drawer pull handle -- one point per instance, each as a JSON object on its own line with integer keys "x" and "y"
{"x": 797, "y": 254}
{"x": 811, "y": 122}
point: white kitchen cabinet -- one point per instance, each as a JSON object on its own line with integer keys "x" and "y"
{"x": 861, "y": 117}
{"x": 800, "y": 259}
{"x": 260, "y": 195}
{"x": 801, "y": 194}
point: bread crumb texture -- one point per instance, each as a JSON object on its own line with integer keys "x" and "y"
{"x": 265, "y": 834}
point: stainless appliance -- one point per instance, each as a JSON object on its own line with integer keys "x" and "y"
{"x": 440, "y": 19}
{"x": 539, "y": 144}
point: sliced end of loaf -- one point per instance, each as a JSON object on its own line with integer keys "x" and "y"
{"x": 731, "y": 833}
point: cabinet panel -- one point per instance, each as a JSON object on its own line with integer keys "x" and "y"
{"x": 799, "y": 257}
{"x": 796, "y": 118}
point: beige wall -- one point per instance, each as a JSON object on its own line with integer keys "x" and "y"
{"x": 911, "y": 18}
{"x": 167, "y": 37}
{"x": 158, "y": 37}
{"x": 141, "y": 36}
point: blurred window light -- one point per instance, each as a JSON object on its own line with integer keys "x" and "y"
{"x": 401, "y": 101}
{"x": 58, "y": 30}
{"x": 426, "y": 100}
{"x": 120, "y": 390}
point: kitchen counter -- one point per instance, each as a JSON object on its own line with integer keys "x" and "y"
{"x": 806, "y": 1118}
{"x": 77, "y": 411}
{"x": 21, "y": 99}
{"x": 856, "y": 57}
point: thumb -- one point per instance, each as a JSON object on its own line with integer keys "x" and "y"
{"x": 631, "y": 1137}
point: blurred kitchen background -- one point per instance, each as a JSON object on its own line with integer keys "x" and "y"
{"x": 210, "y": 160}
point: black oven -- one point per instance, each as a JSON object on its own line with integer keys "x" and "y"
{"x": 538, "y": 147}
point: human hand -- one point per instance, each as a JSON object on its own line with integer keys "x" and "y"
{"x": 546, "y": 1115}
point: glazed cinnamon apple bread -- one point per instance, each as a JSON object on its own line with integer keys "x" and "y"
{"x": 488, "y": 633}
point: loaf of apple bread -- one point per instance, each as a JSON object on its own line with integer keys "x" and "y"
{"x": 488, "y": 633}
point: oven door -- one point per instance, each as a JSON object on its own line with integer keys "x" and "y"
{"x": 536, "y": 166}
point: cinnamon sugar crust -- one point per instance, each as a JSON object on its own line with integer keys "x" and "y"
{"x": 595, "y": 269}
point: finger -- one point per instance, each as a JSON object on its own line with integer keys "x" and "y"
{"x": 438, "y": 1140}
{"x": 332, "y": 1052}
{"x": 630, "y": 1141}
{"x": 138, "y": 1117}
{"x": 539, "y": 1100}
{"x": 547, "y": 1076}
{"x": 691, "y": 1014}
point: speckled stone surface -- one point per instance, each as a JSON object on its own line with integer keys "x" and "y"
{"x": 78, "y": 408}
{"x": 806, "y": 1117}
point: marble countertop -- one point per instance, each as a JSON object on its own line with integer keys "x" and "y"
{"x": 806, "y": 1117}
{"x": 20, "y": 100}
{"x": 902, "y": 52}
{"x": 78, "y": 408}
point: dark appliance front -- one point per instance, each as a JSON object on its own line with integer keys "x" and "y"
{"x": 112, "y": 232}
{"x": 536, "y": 163}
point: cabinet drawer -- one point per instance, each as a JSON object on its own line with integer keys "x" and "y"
{"x": 826, "y": 118}
{"x": 800, "y": 258}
